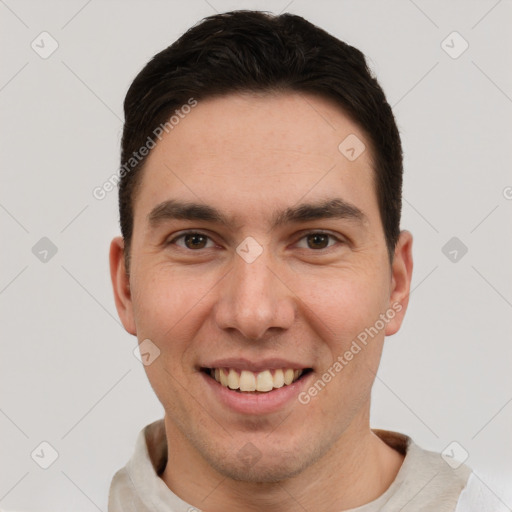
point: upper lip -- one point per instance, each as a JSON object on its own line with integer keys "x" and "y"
{"x": 255, "y": 366}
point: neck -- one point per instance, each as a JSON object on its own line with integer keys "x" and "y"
{"x": 356, "y": 470}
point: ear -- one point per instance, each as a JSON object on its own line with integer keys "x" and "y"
{"x": 401, "y": 275}
{"x": 121, "y": 285}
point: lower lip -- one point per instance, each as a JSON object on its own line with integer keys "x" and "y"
{"x": 257, "y": 403}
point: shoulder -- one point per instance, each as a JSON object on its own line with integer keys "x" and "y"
{"x": 426, "y": 481}
{"x": 478, "y": 496}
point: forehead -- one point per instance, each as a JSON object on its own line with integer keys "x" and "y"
{"x": 251, "y": 151}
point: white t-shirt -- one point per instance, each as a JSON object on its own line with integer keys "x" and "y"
{"x": 424, "y": 483}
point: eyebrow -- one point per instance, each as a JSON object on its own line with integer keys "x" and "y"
{"x": 329, "y": 209}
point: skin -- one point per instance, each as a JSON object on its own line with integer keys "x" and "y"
{"x": 249, "y": 155}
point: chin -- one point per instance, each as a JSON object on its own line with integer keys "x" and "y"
{"x": 251, "y": 466}
{"x": 260, "y": 473}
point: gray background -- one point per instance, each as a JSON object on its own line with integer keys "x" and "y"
{"x": 68, "y": 375}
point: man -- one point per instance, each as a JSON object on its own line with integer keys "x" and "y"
{"x": 261, "y": 266}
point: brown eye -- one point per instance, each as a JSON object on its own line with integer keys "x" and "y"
{"x": 318, "y": 240}
{"x": 195, "y": 241}
{"x": 192, "y": 240}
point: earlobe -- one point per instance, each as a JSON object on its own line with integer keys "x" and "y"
{"x": 121, "y": 285}
{"x": 400, "y": 281}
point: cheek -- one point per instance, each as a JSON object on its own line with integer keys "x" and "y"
{"x": 163, "y": 299}
{"x": 346, "y": 302}
{"x": 163, "y": 308}
{"x": 166, "y": 308}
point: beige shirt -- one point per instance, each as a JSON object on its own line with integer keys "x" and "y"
{"x": 425, "y": 482}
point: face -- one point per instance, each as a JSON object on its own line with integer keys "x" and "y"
{"x": 279, "y": 266}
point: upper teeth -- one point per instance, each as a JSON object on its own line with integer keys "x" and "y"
{"x": 250, "y": 381}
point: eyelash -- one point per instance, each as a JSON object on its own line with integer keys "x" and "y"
{"x": 182, "y": 235}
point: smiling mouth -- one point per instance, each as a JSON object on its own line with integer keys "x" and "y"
{"x": 244, "y": 381}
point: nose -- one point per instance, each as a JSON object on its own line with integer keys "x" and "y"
{"x": 254, "y": 300}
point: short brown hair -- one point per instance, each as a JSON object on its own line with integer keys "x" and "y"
{"x": 252, "y": 51}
